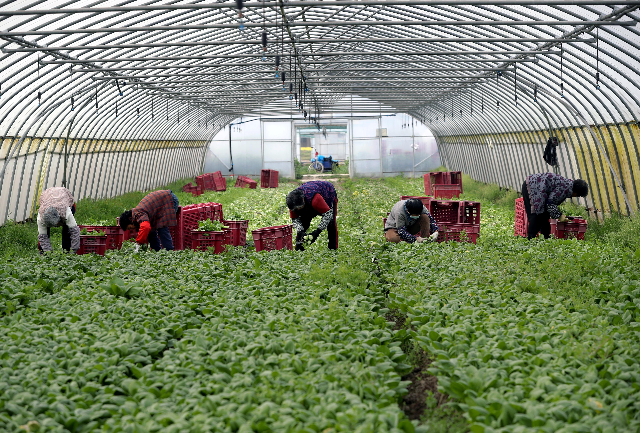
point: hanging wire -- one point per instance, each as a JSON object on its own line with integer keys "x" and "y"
{"x": 167, "y": 110}
{"x": 39, "y": 93}
{"x": 96, "y": 99}
{"x": 116, "y": 108}
{"x": 72, "y": 104}
{"x": 239, "y": 5}
{"x": 515, "y": 84}
{"x": 597, "y": 57}
{"x": 561, "y": 71}
{"x": 152, "y": 109}
{"x": 482, "y": 101}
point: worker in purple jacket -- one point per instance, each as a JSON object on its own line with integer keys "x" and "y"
{"x": 309, "y": 200}
{"x": 542, "y": 193}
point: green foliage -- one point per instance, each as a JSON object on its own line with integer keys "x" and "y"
{"x": 93, "y": 232}
{"x": 527, "y": 336}
{"x": 299, "y": 168}
{"x": 210, "y": 226}
{"x": 117, "y": 287}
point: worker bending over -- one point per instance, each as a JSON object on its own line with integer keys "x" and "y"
{"x": 410, "y": 221}
{"x": 542, "y": 193}
{"x": 56, "y": 209}
{"x": 152, "y": 218}
{"x": 308, "y": 201}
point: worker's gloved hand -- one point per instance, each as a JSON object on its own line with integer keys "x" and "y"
{"x": 420, "y": 239}
{"x": 300, "y": 237}
{"x": 299, "y": 247}
{"x": 433, "y": 237}
{"x": 315, "y": 235}
{"x": 562, "y": 218}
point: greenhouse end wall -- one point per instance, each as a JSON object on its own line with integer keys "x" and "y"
{"x": 375, "y": 146}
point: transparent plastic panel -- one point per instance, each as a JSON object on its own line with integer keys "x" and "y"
{"x": 364, "y": 128}
{"x": 397, "y": 154}
{"x": 277, "y": 151}
{"x": 366, "y": 149}
{"x": 277, "y": 130}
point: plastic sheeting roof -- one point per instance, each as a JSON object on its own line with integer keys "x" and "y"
{"x": 436, "y": 60}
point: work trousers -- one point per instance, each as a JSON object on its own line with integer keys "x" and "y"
{"x": 538, "y": 223}
{"x": 332, "y": 228}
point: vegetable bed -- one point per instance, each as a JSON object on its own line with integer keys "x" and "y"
{"x": 537, "y": 336}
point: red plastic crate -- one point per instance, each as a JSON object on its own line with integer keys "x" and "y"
{"x": 572, "y": 229}
{"x": 238, "y": 230}
{"x": 92, "y": 244}
{"x": 200, "y": 182}
{"x": 264, "y": 178}
{"x": 458, "y": 232}
{"x": 239, "y": 182}
{"x": 522, "y": 222}
{"x": 455, "y": 178}
{"x": 469, "y": 212}
{"x": 431, "y": 179}
{"x": 273, "y": 238}
{"x": 220, "y": 184}
{"x": 445, "y": 211}
{"x": 202, "y": 240}
{"x": 115, "y": 235}
{"x": 228, "y": 236}
{"x": 187, "y": 187}
{"x": 424, "y": 200}
{"x": 446, "y": 191}
{"x": 273, "y": 178}
{"x": 189, "y": 217}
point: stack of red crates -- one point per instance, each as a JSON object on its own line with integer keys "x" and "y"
{"x": 92, "y": 244}
{"x": 188, "y": 218}
{"x": 575, "y": 228}
{"x": 273, "y": 238}
{"x": 269, "y": 178}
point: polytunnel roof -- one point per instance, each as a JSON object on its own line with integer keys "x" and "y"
{"x": 132, "y": 68}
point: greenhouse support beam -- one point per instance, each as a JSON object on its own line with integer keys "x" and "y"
{"x": 316, "y": 24}
{"x": 367, "y": 78}
{"x": 307, "y": 3}
{"x": 271, "y": 71}
{"x": 269, "y": 55}
{"x": 324, "y": 41}
{"x": 260, "y": 63}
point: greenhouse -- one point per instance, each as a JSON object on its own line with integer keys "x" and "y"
{"x": 474, "y": 167}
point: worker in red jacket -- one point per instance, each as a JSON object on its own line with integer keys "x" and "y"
{"x": 309, "y": 200}
{"x": 152, "y": 218}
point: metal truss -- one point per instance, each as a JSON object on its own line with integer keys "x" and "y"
{"x": 150, "y": 85}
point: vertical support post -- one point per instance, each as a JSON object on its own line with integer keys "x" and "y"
{"x": 413, "y": 151}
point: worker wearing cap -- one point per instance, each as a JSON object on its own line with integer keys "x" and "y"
{"x": 309, "y": 200}
{"x": 56, "y": 209}
{"x": 410, "y": 221}
{"x": 152, "y": 218}
{"x": 542, "y": 193}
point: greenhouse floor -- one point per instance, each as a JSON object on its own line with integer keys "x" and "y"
{"x": 508, "y": 335}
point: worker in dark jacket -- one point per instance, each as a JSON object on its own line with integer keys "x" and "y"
{"x": 308, "y": 201}
{"x": 542, "y": 193}
{"x": 152, "y": 218}
{"x": 410, "y": 221}
{"x": 56, "y": 209}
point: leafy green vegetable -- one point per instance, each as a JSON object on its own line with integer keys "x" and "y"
{"x": 210, "y": 226}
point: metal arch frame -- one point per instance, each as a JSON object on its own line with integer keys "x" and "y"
{"x": 515, "y": 128}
